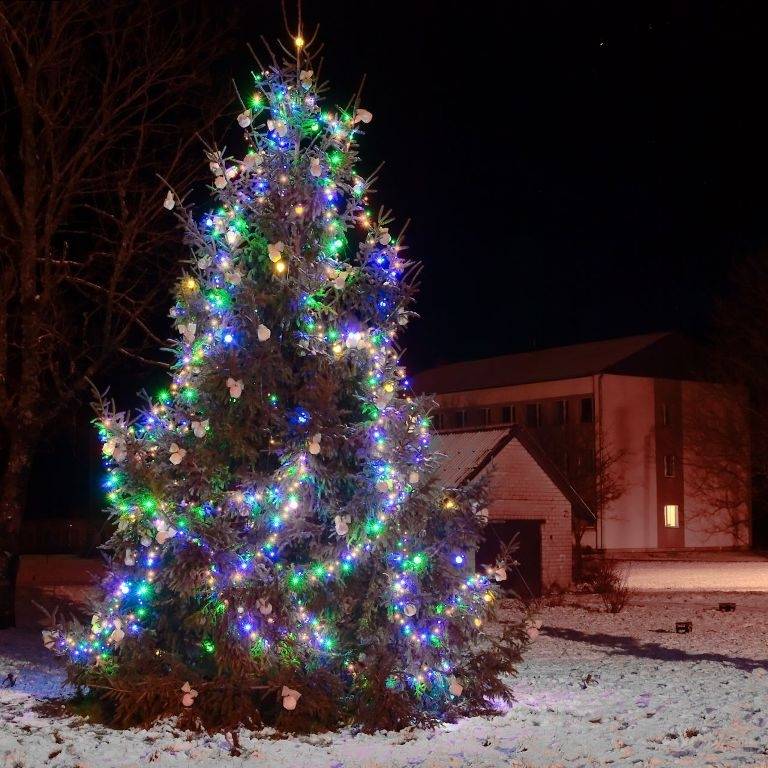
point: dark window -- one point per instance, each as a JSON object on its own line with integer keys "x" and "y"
{"x": 459, "y": 419}
{"x": 670, "y": 465}
{"x": 665, "y": 419}
{"x": 587, "y": 410}
{"x": 508, "y": 414}
{"x": 533, "y": 415}
{"x": 485, "y": 416}
{"x": 438, "y": 419}
{"x": 561, "y": 412}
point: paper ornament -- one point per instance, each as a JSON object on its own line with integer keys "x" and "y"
{"x": 314, "y": 167}
{"x": 220, "y": 182}
{"x": 164, "y": 532}
{"x": 189, "y": 695}
{"x": 264, "y": 606}
{"x": 235, "y": 386}
{"x": 342, "y": 524}
{"x": 305, "y": 76}
{"x": 50, "y": 638}
{"x": 177, "y": 454}
{"x": 280, "y": 127}
{"x": 263, "y": 333}
{"x": 362, "y": 116}
{"x": 290, "y": 697}
{"x": 455, "y": 687}
{"x": 384, "y": 236}
{"x": 234, "y": 239}
{"x": 96, "y": 625}
{"x": 232, "y": 171}
{"x": 413, "y": 478}
{"x": 205, "y": 262}
{"x": 117, "y": 633}
{"x": 200, "y": 427}
{"x": 188, "y": 330}
{"x": 382, "y": 485}
{"x": 145, "y": 540}
{"x": 314, "y": 444}
{"x": 130, "y": 556}
{"x": 234, "y": 277}
{"x": 169, "y": 201}
{"x": 215, "y": 168}
{"x": 410, "y": 609}
{"x": 244, "y": 118}
{"x": 253, "y": 160}
{"x": 114, "y": 447}
{"x": 275, "y": 251}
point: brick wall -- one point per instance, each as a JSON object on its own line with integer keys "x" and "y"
{"x": 521, "y": 490}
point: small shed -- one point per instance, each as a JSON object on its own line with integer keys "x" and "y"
{"x": 528, "y": 497}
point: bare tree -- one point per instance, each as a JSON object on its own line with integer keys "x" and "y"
{"x": 97, "y": 99}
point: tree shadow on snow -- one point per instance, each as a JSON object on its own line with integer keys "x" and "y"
{"x": 631, "y": 646}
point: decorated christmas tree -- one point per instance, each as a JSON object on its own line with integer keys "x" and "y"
{"x": 283, "y": 553}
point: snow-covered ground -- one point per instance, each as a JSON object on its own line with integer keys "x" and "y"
{"x": 596, "y": 689}
{"x": 739, "y": 576}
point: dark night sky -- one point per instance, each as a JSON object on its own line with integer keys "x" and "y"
{"x": 573, "y": 171}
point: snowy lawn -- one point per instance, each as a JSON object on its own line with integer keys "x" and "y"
{"x": 596, "y": 689}
{"x": 739, "y": 576}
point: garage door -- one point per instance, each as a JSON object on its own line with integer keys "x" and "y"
{"x": 524, "y": 579}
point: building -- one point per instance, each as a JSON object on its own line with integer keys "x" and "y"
{"x": 530, "y": 500}
{"x": 658, "y": 452}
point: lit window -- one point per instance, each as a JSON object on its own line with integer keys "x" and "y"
{"x": 670, "y": 465}
{"x": 671, "y": 516}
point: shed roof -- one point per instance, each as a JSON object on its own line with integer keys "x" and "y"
{"x": 469, "y": 452}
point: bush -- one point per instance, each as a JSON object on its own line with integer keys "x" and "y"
{"x": 608, "y": 580}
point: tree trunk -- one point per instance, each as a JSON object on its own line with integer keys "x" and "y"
{"x": 13, "y": 496}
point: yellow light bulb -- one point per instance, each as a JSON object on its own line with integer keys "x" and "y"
{"x": 280, "y": 267}
{"x": 299, "y": 210}
{"x": 299, "y": 41}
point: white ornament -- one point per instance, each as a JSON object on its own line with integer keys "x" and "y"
{"x": 264, "y": 606}
{"x": 234, "y": 277}
{"x": 188, "y": 330}
{"x": 205, "y": 262}
{"x": 234, "y": 239}
{"x": 290, "y": 697}
{"x": 410, "y": 609}
{"x": 280, "y": 127}
{"x": 235, "y": 386}
{"x": 253, "y": 160}
{"x": 355, "y": 340}
{"x": 220, "y": 182}
{"x": 384, "y": 237}
{"x": 413, "y": 478}
{"x": 314, "y": 167}
{"x": 96, "y": 625}
{"x": 130, "y": 556}
{"x": 483, "y": 514}
{"x": 200, "y": 427}
{"x": 342, "y": 524}
{"x": 114, "y": 447}
{"x": 169, "y": 201}
{"x": 275, "y": 250}
{"x": 382, "y": 485}
{"x": 244, "y": 118}
{"x": 117, "y": 633}
{"x": 362, "y": 116}
{"x": 164, "y": 532}
{"x": 314, "y": 444}
{"x": 215, "y": 168}
{"x": 498, "y": 573}
{"x": 177, "y": 454}
{"x": 305, "y": 76}
{"x": 263, "y": 333}
{"x": 455, "y": 687}
{"x": 232, "y": 171}
{"x": 190, "y": 694}
{"x": 145, "y": 540}
{"x": 339, "y": 279}
{"x": 50, "y": 638}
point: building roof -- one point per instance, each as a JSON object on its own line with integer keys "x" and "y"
{"x": 663, "y": 355}
{"x": 467, "y": 453}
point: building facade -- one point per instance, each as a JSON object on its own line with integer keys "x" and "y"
{"x": 660, "y": 455}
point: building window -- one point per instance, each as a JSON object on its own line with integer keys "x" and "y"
{"x": 438, "y": 419}
{"x": 587, "y": 410}
{"x": 670, "y": 465}
{"x": 671, "y": 516}
{"x": 485, "y": 416}
{"x": 459, "y": 419}
{"x": 533, "y": 415}
{"x": 665, "y": 418}
{"x": 508, "y": 414}
{"x": 561, "y": 412}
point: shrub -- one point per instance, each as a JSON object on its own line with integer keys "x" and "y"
{"x": 607, "y": 579}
